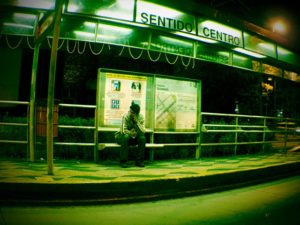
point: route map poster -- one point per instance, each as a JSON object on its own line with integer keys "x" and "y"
{"x": 120, "y": 91}
{"x": 176, "y": 104}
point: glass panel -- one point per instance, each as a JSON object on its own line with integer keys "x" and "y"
{"x": 291, "y": 76}
{"x": 17, "y": 23}
{"x": 117, "y": 9}
{"x": 245, "y": 62}
{"x": 211, "y": 53}
{"x": 122, "y": 35}
{"x": 166, "y": 17}
{"x": 288, "y": 56}
{"x": 272, "y": 70}
{"x": 217, "y": 31}
{"x": 256, "y": 44}
{"x": 176, "y": 104}
{"x": 77, "y": 29}
{"x": 34, "y": 4}
{"x": 171, "y": 45}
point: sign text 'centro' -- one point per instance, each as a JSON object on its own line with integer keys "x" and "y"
{"x": 166, "y": 22}
{"x": 221, "y": 36}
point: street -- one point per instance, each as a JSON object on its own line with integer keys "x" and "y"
{"x": 272, "y": 203}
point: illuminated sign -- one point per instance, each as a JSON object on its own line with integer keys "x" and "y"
{"x": 165, "y": 17}
{"x": 219, "y": 32}
{"x": 166, "y": 22}
{"x": 171, "y": 45}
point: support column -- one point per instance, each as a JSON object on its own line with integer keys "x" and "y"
{"x": 32, "y": 103}
{"x": 51, "y": 85}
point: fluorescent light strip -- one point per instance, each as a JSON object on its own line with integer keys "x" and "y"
{"x": 244, "y": 51}
{"x": 18, "y": 25}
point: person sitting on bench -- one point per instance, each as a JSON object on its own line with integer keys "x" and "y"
{"x": 132, "y": 132}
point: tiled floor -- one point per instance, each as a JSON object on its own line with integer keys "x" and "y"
{"x": 76, "y": 172}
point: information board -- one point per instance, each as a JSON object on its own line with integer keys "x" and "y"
{"x": 167, "y": 103}
{"x": 120, "y": 91}
{"x": 175, "y": 104}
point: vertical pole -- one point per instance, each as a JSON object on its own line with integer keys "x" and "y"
{"x": 264, "y": 134}
{"x": 199, "y": 121}
{"x": 51, "y": 85}
{"x": 236, "y": 133}
{"x": 32, "y": 102}
{"x": 286, "y": 135}
{"x": 97, "y": 115}
{"x": 152, "y": 116}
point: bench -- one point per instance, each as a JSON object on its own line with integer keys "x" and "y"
{"x": 101, "y": 145}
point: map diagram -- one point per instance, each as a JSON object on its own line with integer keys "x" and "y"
{"x": 175, "y": 104}
{"x": 166, "y": 111}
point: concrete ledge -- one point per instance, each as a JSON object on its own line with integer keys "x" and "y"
{"x": 124, "y": 192}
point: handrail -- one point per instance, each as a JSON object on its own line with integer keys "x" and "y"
{"x": 280, "y": 125}
{"x": 77, "y": 106}
{"x": 263, "y": 125}
{"x": 26, "y": 103}
{"x": 14, "y": 102}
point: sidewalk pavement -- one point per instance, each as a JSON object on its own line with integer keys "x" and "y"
{"x": 79, "y": 182}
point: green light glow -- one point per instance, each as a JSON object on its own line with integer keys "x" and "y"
{"x": 116, "y": 9}
{"x": 164, "y": 17}
{"x": 213, "y": 30}
{"x": 23, "y": 16}
{"x": 113, "y": 33}
{"x": 89, "y": 25}
{"x": 218, "y": 26}
{"x": 284, "y": 51}
{"x": 174, "y": 41}
{"x": 37, "y": 4}
{"x": 152, "y": 8}
{"x": 83, "y": 30}
{"x": 83, "y": 34}
{"x": 267, "y": 46}
{"x": 18, "y": 25}
{"x": 244, "y": 51}
{"x": 190, "y": 36}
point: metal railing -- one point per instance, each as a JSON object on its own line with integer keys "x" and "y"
{"x": 284, "y": 130}
{"x": 237, "y": 124}
{"x": 77, "y": 126}
{"x": 16, "y": 124}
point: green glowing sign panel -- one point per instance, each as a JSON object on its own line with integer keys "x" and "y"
{"x": 116, "y": 9}
{"x": 165, "y": 17}
{"x": 286, "y": 55}
{"x": 171, "y": 45}
{"x": 259, "y": 45}
{"x": 243, "y": 61}
{"x": 122, "y": 35}
{"x": 217, "y": 31}
{"x": 17, "y": 23}
{"x": 211, "y": 53}
{"x": 78, "y": 29}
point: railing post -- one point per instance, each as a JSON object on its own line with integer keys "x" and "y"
{"x": 264, "y": 133}
{"x": 236, "y": 134}
{"x": 286, "y": 135}
{"x": 96, "y": 154}
{"x": 199, "y": 123}
{"x": 32, "y": 103}
{"x": 151, "y": 151}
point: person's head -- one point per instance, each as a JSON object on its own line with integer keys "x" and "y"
{"x": 135, "y": 108}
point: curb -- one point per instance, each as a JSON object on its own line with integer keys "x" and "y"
{"x": 18, "y": 194}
